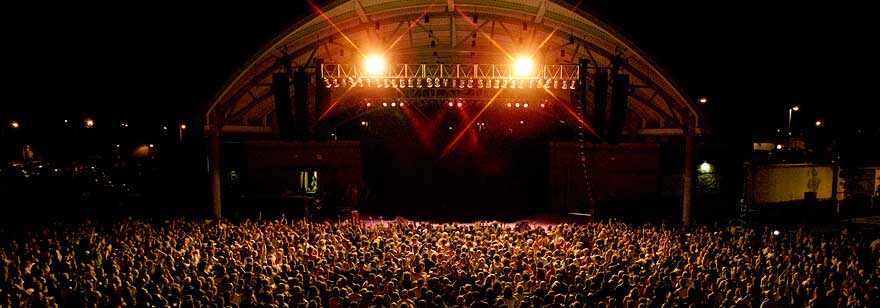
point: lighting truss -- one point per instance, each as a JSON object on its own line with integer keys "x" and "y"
{"x": 462, "y": 76}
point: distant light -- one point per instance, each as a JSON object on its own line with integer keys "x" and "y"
{"x": 705, "y": 167}
{"x": 124, "y": 124}
{"x": 364, "y": 123}
{"x": 523, "y": 66}
{"x": 818, "y": 123}
{"x": 182, "y": 126}
{"x": 775, "y": 232}
{"x": 117, "y": 145}
{"x": 65, "y": 121}
{"x": 779, "y": 147}
{"x": 509, "y": 104}
{"x": 704, "y": 100}
{"x": 459, "y": 104}
{"x": 89, "y": 123}
{"x": 151, "y": 145}
{"x": 401, "y": 105}
{"x": 517, "y": 105}
{"x": 796, "y": 108}
{"x": 14, "y": 124}
{"x": 374, "y": 65}
{"x": 393, "y": 104}
{"x": 164, "y": 127}
{"x": 522, "y": 122}
{"x": 451, "y": 104}
{"x": 542, "y": 105}
{"x": 450, "y": 128}
{"x": 369, "y": 104}
{"x": 525, "y": 105}
{"x": 384, "y": 104}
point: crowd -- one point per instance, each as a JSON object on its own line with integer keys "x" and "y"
{"x": 406, "y": 264}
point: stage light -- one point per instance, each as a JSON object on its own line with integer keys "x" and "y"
{"x": 364, "y": 123}
{"x": 509, "y": 104}
{"x": 542, "y": 105}
{"x": 524, "y": 66}
{"x": 703, "y": 100}
{"x": 779, "y": 147}
{"x": 393, "y": 104}
{"x": 401, "y": 105}
{"x": 776, "y": 232}
{"x": 705, "y": 167}
{"x": 450, "y": 104}
{"x": 818, "y": 123}
{"x": 182, "y": 126}
{"x": 14, "y": 124}
{"x": 525, "y": 105}
{"x": 374, "y": 65}
{"x": 384, "y": 104}
{"x": 517, "y": 105}
{"x": 459, "y": 104}
{"x": 369, "y": 104}
{"x": 151, "y": 145}
{"x": 89, "y": 123}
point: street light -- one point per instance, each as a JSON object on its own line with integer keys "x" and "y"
{"x": 790, "y": 110}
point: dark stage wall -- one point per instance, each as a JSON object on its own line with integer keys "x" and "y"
{"x": 624, "y": 173}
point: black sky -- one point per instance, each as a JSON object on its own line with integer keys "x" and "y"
{"x": 152, "y": 60}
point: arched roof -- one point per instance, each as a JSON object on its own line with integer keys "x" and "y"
{"x": 344, "y": 30}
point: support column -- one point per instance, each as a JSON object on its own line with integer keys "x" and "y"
{"x": 214, "y": 165}
{"x": 688, "y": 189}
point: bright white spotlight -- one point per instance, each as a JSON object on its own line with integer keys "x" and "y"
{"x": 374, "y": 65}
{"x": 523, "y": 66}
{"x": 775, "y": 232}
{"x": 705, "y": 167}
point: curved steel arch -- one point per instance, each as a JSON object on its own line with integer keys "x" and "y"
{"x": 343, "y": 30}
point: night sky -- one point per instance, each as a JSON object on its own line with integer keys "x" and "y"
{"x": 155, "y": 61}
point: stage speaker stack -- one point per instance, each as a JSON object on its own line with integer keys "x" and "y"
{"x": 301, "y": 101}
{"x": 619, "y": 99}
{"x": 600, "y": 100}
{"x": 322, "y": 100}
{"x": 283, "y": 114}
{"x": 582, "y": 88}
